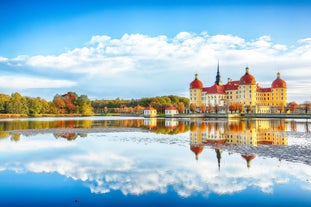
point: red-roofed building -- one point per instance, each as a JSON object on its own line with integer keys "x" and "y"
{"x": 171, "y": 111}
{"x": 244, "y": 92}
{"x": 150, "y": 112}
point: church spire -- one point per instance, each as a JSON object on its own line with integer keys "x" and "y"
{"x": 218, "y": 77}
{"x": 218, "y": 155}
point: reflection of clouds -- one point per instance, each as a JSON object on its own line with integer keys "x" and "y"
{"x": 106, "y": 165}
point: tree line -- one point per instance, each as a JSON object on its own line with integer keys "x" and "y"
{"x": 72, "y": 103}
{"x": 69, "y": 103}
{"x": 137, "y": 105}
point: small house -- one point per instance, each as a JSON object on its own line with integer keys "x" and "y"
{"x": 171, "y": 111}
{"x": 150, "y": 112}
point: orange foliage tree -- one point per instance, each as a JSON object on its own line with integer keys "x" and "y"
{"x": 203, "y": 108}
{"x": 193, "y": 107}
{"x": 293, "y": 106}
{"x": 181, "y": 107}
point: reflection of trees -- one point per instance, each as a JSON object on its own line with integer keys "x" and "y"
{"x": 69, "y": 136}
{"x": 160, "y": 126}
{"x": 4, "y": 135}
{"x": 15, "y": 137}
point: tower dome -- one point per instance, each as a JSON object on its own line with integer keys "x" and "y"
{"x": 196, "y": 84}
{"x": 247, "y": 79}
{"x": 196, "y": 149}
{"x": 278, "y": 82}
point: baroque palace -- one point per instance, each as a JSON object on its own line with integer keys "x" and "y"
{"x": 245, "y": 92}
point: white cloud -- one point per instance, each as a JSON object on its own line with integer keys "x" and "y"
{"x": 137, "y": 56}
{"x": 14, "y": 82}
{"x": 116, "y": 163}
{"x": 3, "y": 59}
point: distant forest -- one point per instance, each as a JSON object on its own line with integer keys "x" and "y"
{"x": 72, "y": 103}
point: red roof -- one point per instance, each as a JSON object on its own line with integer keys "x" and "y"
{"x": 248, "y": 157}
{"x": 214, "y": 89}
{"x": 247, "y": 79}
{"x": 196, "y": 84}
{"x": 196, "y": 149}
{"x": 150, "y": 108}
{"x": 171, "y": 108}
{"x": 264, "y": 89}
{"x": 278, "y": 83}
{"x": 232, "y": 85}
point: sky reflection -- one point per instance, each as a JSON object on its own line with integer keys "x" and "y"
{"x": 140, "y": 163}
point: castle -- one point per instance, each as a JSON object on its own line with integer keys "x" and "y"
{"x": 245, "y": 93}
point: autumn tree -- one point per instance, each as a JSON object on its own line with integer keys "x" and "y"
{"x": 248, "y": 108}
{"x": 281, "y": 108}
{"x": 210, "y": 108}
{"x": 293, "y": 106}
{"x": 241, "y": 108}
{"x": 69, "y": 99}
{"x": 193, "y": 107}
{"x": 59, "y": 103}
{"x": 232, "y": 107}
{"x": 139, "y": 109}
{"x": 181, "y": 107}
{"x": 203, "y": 108}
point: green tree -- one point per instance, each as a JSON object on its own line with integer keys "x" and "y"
{"x": 34, "y": 105}
{"x": 84, "y": 105}
{"x": 4, "y": 99}
{"x": 17, "y": 104}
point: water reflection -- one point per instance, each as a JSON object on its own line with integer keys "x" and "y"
{"x": 157, "y": 158}
{"x": 238, "y": 132}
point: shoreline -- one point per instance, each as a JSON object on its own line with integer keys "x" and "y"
{"x": 28, "y": 132}
{"x": 242, "y": 116}
{"x": 193, "y": 115}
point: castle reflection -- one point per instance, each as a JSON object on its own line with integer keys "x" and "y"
{"x": 238, "y": 132}
{"x": 215, "y": 134}
{"x": 244, "y": 132}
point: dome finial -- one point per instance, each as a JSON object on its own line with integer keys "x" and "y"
{"x": 278, "y": 75}
{"x": 247, "y": 70}
{"x": 196, "y": 76}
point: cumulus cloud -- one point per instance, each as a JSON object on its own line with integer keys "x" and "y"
{"x": 3, "y": 59}
{"x": 137, "y": 57}
{"x": 106, "y": 165}
{"x": 14, "y": 82}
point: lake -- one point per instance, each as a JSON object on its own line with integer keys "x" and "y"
{"x": 130, "y": 161}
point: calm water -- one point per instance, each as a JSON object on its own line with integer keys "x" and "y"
{"x": 108, "y": 161}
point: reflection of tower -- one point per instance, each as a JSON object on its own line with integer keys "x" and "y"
{"x": 218, "y": 155}
{"x": 196, "y": 149}
{"x": 248, "y": 159}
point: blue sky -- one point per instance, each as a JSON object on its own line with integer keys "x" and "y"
{"x": 102, "y": 48}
